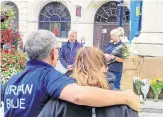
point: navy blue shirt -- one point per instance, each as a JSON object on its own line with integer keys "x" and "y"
{"x": 27, "y": 92}
{"x": 114, "y": 66}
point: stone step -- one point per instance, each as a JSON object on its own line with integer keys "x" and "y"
{"x": 150, "y": 106}
{"x": 150, "y": 115}
{"x": 151, "y": 110}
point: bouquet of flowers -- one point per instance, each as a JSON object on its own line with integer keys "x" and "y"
{"x": 156, "y": 85}
{"x": 120, "y": 50}
{"x": 145, "y": 87}
{"x": 138, "y": 83}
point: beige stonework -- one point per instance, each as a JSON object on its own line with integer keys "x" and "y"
{"x": 127, "y": 82}
{"x": 151, "y": 67}
{"x": 143, "y": 67}
{"x": 130, "y": 69}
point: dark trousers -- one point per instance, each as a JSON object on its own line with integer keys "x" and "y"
{"x": 110, "y": 79}
{"x": 118, "y": 76}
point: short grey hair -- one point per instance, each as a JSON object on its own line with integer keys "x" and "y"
{"x": 39, "y": 44}
{"x": 71, "y": 31}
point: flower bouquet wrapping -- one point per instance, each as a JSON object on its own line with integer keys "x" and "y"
{"x": 138, "y": 83}
{"x": 156, "y": 85}
{"x": 120, "y": 50}
{"x": 145, "y": 87}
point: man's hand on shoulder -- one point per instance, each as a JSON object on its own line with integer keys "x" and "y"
{"x": 133, "y": 100}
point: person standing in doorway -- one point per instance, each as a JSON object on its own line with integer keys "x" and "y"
{"x": 114, "y": 55}
{"x": 69, "y": 51}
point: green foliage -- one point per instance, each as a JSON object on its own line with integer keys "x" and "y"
{"x": 138, "y": 83}
{"x": 156, "y": 85}
{"x": 12, "y": 62}
{"x": 4, "y": 25}
{"x": 125, "y": 51}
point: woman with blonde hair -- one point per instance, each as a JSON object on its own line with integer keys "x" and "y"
{"x": 114, "y": 55}
{"x": 90, "y": 70}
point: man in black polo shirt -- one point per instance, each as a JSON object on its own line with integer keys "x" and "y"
{"x": 28, "y": 91}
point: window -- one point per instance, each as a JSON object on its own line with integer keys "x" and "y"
{"x": 109, "y": 12}
{"x": 56, "y": 18}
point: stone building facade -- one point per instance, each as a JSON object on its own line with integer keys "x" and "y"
{"x": 93, "y": 20}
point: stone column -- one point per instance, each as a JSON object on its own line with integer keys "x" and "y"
{"x": 150, "y": 41}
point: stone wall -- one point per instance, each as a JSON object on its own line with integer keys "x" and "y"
{"x": 151, "y": 67}
{"x": 143, "y": 67}
{"x": 130, "y": 70}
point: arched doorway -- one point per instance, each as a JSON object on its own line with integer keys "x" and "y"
{"x": 106, "y": 19}
{"x": 56, "y": 18}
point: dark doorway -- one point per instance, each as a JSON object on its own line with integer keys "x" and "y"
{"x": 106, "y": 19}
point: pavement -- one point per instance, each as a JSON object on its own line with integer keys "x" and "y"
{"x": 151, "y": 108}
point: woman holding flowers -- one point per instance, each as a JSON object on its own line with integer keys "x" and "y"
{"x": 115, "y": 55}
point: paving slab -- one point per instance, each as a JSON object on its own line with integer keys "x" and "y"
{"x": 151, "y": 108}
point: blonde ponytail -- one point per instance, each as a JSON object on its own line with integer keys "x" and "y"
{"x": 118, "y": 31}
{"x": 121, "y": 32}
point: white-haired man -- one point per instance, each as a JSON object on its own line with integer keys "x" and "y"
{"x": 69, "y": 51}
{"x": 28, "y": 91}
